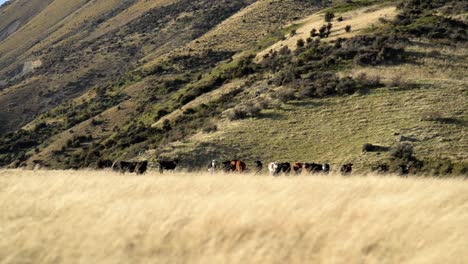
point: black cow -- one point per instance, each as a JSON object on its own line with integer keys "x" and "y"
{"x": 346, "y": 169}
{"x": 103, "y": 164}
{"x": 167, "y": 165}
{"x": 381, "y": 168}
{"x": 313, "y": 167}
{"x": 142, "y": 167}
{"x": 258, "y": 166}
{"x": 284, "y": 167}
{"x": 139, "y": 167}
{"x": 229, "y": 165}
{"x": 125, "y": 166}
{"x": 316, "y": 168}
{"x": 404, "y": 169}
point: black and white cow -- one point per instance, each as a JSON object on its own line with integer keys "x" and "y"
{"x": 212, "y": 166}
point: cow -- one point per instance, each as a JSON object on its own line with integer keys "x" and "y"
{"x": 346, "y": 169}
{"x": 229, "y": 165}
{"x": 167, "y": 165}
{"x": 124, "y": 166}
{"x": 103, "y": 164}
{"x": 313, "y": 167}
{"x": 284, "y": 167}
{"x": 139, "y": 167}
{"x": 240, "y": 166}
{"x": 272, "y": 166}
{"x": 234, "y": 165}
{"x": 381, "y": 168}
{"x": 297, "y": 167}
{"x": 258, "y": 166}
{"x": 212, "y": 166}
{"x": 404, "y": 169}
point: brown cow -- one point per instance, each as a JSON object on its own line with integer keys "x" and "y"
{"x": 297, "y": 167}
{"x": 234, "y": 165}
{"x": 240, "y": 166}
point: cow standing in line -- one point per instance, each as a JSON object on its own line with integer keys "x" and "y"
{"x": 284, "y": 167}
{"x": 297, "y": 167}
{"x": 258, "y": 167}
{"x": 240, "y": 166}
{"x": 234, "y": 165}
{"x": 167, "y": 165}
{"x": 313, "y": 167}
{"x": 272, "y": 166}
{"x": 346, "y": 169}
{"x": 104, "y": 164}
{"x": 212, "y": 166}
{"x": 381, "y": 169}
{"x": 326, "y": 168}
{"x": 317, "y": 168}
{"x": 404, "y": 169}
{"x": 229, "y": 165}
{"x": 139, "y": 167}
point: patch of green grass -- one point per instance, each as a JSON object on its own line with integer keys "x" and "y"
{"x": 353, "y": 5}
{"x": 334, "y": 129}
{"x": 425, "y": 21}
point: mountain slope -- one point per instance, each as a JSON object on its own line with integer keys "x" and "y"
{"x": 142, "y": 79}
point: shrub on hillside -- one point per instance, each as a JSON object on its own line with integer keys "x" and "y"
{"x": 373, "y": 148}
{"x": 368, "y": 81}
{"x": 348, "y": 28}
{"x": 402, "y": 151}
{"x": 329, "y": 16}
{"x": 285, "y": 95}
{"x": 346, "y": 85}
{"x": 398, "y": 81}
{"x": 323, "y": 31}
{"x": 300, "y": 43}
{"x": 210, "y": 128}
{"x": 166, "y": 125}
{"x": 244, "y": 111}
{"x": 313, "y": 33}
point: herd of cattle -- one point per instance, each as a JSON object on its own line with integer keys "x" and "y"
{"x": 275, "y": 168}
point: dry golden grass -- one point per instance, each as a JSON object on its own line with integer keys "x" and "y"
{"x": 102, "y": 217}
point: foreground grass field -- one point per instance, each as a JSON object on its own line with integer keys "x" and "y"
{"x": 102, "y": 217}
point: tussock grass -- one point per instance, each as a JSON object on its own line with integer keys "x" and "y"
{"x": 103, "y": 217}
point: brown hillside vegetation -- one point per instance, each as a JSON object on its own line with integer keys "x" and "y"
{"x": 103, "y": 217}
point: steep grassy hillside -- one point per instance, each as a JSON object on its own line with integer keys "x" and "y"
{"x": 14, "y": 14}
{"x": 76, "y": 54}
{"x": 413, "y": 106}
{"x": 103, "y": 217}
{"x": 276, "y": 80}
{"x": 164, "y": 73}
